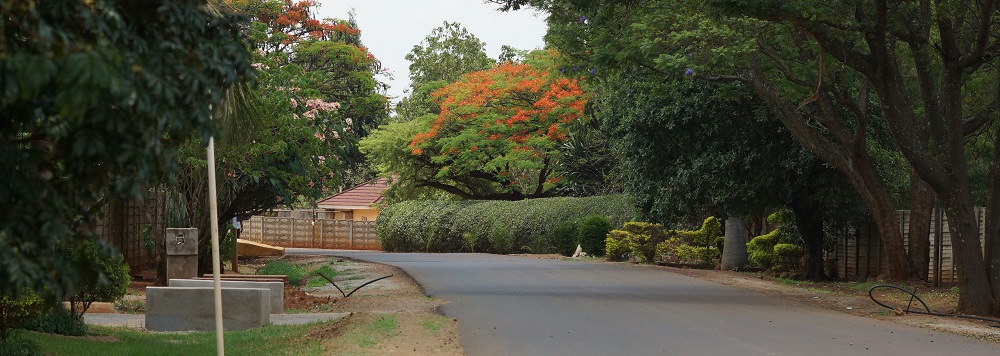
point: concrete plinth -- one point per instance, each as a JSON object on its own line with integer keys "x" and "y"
{"x": 277, "y": 289}
{"x": 193, "y": 308}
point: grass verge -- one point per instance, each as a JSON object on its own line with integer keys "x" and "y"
{"x": 268, "y": 340}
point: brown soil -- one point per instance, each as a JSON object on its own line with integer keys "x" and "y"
{"x": 418, "y": 328}
{"x": 841, "y": 297}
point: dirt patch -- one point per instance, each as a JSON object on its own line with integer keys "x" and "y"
{"x": 391, "y": 315}
{"x": 842, "y": 297}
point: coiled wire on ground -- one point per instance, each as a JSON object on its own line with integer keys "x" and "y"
{"x": 926, "y": 311}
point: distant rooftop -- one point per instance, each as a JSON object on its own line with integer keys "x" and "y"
{"x": 363, "y": 196}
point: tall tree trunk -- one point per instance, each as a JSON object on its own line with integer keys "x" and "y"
{"x": 848, "y": 155}
{"x": 992, "y": 232}
{"x": 921, "y": 209}
{"x": 976, "y": 296}
{"x": 809, "y": 220}
{"x": 734, "y": 253}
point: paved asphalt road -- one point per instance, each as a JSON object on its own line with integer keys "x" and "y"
{"x": 507, "y": 305}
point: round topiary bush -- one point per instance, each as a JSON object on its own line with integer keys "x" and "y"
{"x": 787, "y": 256}
{"x": 592, "y": 234}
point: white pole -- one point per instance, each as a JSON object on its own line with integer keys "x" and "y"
{"x": 213, "y": 204}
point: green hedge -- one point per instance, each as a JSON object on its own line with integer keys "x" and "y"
{"x": 526, "y": 226}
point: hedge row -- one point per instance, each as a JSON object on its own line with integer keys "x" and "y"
{"x": 527, "y": 226}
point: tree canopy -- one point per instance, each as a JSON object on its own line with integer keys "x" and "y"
{"x": 300, "y": 137}
{"x": 97, "y": 96}
{"x": 497, "y": 135}
{"x": 830, "y": 72}
{"x": 446, "y": 54}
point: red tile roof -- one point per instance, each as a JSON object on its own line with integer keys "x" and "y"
{"x": 363, "y": 196}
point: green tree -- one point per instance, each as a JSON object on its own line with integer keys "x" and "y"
{"x": 820, "y": 66}
{"x": 497, "y": 136}
{"x": 97, "y": 97}
{"x": 694, "y": 125}
{"x": 446, "y": 54}
{"x": 926, "y": 62}
{"x": 303, "y": 136}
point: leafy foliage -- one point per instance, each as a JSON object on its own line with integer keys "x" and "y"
{"x": 446, "y": 54}
{"x": 592, "y": 232}
{"x": 294, "y": 272}
{"x": 97, "y": 97}
{"x": 59, "y": 321}
{"x": 111, "y": 284}
{"x": 491, "y": 226}
{"x": 19, "y": 347}
{"x": 641, "y": 240}
{"x": 315, "y": 93}
{"x": 17, "y": 311}
{"x": 497, "y": 135}
{"x": 786, "y": 256}
{"x": 565, "y": 238}
{"x": 649, "y": 242}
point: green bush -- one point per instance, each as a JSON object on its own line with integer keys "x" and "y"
{"x": 787, "y": 256}
{"x": 17, "y": 311}
{"x": 294, "y": 272}
{"x": 18, "y": 347}
{"x": 592, "y": 232}
{"x": 492, "y": 226}
{"x": 618, "y": 245}
{"x": 760, "y": 249}
{"x": 110, "y": 284}
{"x": 59, "y": 321}
{"x": 707, "y": 235}
{"x": 564, "y": 238}
{"x": 696, "y": 254}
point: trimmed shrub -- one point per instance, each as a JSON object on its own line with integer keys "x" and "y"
{"x": 592, "y": 232}
{"x": 618, "y": 245}
{"x": 526, "y": 226}
{"x": 760, "y": 249}
{"x": 17, "y": 311}
{"x": 696, "y": 254}
{"x": 564, "y": 238}
{"x": 707, "y": 235}
{"x": 787, "y": 256}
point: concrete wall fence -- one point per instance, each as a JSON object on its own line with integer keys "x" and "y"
{"x": 308, "y": 233}
{"x": 859, "y": 253}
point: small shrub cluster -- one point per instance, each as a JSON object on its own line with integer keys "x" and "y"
{"x": 641, "y": 241}
{"x": 110, "y": 283}
{"x": 777, "y": 249}
{"x": 648, "y": 242}
{"x": 19, "y": 347}
{"x": 16, "y": 311}
{"x": 59, "y": 321}
{"x": 787, "y": 256}
{"x": 546, "y": 225}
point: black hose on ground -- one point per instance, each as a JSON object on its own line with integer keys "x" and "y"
{"x": 926, "y": 311}
{"x": 356, "y": 288}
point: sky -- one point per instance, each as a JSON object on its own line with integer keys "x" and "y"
{"x": 390, "y": 28}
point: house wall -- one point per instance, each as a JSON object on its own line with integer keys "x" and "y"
{"x": 365, "y": 214}
{"x": 356, "y": 215}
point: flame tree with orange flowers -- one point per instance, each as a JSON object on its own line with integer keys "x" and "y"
{"x": 497, "y": 137}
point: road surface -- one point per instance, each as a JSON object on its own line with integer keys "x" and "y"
{"x": 509, "y": 305}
